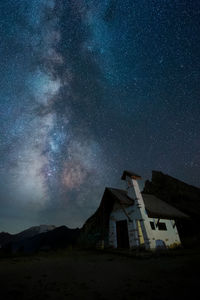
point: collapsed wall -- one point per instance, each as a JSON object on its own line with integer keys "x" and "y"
{"x": 182, "y": 196}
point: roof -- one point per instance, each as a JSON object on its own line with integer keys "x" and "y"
{"x": 121, "y": 196}
{"x": 130, "y": 174}
{"x": 98, "y": 224}
{"x": 155, "y": 207}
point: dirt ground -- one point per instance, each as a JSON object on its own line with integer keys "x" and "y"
{"x": 99, "y": 275}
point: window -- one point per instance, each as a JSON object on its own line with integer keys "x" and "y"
{"x": 152, "y": 225}
{"x": 161, "y": 226}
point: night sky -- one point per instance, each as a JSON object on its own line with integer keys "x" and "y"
{"x": 89, "y": 88}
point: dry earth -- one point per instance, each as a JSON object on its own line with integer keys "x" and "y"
{"x": 99, "y": 275}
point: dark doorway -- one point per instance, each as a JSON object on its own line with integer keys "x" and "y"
{"x": 122, "y": 234}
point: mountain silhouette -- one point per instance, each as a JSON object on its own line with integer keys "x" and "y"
{"x": 32, "y": 239}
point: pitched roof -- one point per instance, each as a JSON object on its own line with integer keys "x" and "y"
{"x": 98, "y": 224}
{"x": 155, "y": 207}
{"x": 121, "y": 196}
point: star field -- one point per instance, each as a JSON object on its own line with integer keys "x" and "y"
{"x": 90, "y": 88}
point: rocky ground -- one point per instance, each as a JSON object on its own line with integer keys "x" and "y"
{"x": 75, "y": 274}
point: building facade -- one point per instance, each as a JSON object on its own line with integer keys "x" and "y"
{"x": 130, "y": 219}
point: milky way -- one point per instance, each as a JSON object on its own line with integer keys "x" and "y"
{"x": 90, "y": 88}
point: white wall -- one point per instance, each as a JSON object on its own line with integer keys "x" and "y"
{"x": 170, "y": 236}
{"x": 118, "y": 214}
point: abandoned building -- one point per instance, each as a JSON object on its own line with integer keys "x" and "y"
{"x": 131, "y": 219}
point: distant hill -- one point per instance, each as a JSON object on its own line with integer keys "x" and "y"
{"x": 59, "y": 237}
{"x": 5, "y": 238}
{"x": 34, "y": 231}
{"x": 30, "y": 232}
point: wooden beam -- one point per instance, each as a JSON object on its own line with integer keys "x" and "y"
{"x": 157, "y": 222}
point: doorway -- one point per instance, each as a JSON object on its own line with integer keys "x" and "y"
{"x": 122, "y": 234}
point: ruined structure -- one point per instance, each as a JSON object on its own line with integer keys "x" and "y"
{"x": 131, "y": 219}
{"x": 181, "y": 195}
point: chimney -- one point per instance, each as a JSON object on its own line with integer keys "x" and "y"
{"x": 140, "y": 214}
{"x": 133, "y": 190}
